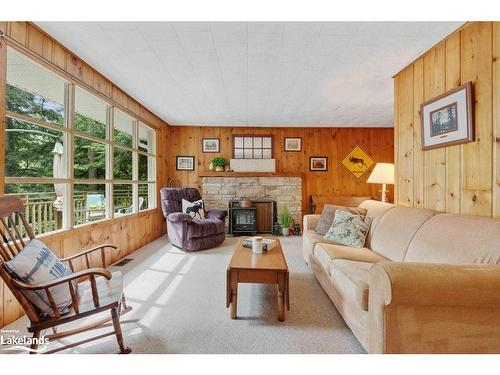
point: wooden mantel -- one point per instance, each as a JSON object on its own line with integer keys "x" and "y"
{"x": 251, "y": 174}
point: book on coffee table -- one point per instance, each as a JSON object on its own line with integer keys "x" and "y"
{"x": 267, "y": 243}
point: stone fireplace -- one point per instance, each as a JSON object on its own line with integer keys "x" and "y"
{"x": 218, "y": 191}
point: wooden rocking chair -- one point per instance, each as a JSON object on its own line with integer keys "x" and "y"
{"x": 99, "y": 291}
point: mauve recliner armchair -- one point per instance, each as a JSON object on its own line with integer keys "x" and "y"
{"x": 185, "y": 232}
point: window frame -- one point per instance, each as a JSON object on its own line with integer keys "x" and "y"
{"x": 253, "y": 136}
{"x": 69, "y": 134}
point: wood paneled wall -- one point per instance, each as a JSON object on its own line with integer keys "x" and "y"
{"x": 335, "y": 143}
{"x": 462, "y": 178}
{"x": 128, "y": 233}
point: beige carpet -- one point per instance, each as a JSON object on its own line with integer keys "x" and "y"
{"x": 179, "y": 307}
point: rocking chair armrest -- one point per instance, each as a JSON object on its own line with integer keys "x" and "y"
{"x": 91, "y": 250}
{"x": 65, "y": 279}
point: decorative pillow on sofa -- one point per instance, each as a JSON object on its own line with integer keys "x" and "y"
{"x": 349, "y": 229}
{"x": 195, "y": 209}
{"x": 326, "y": 219}
{"x": 36, "y": 264}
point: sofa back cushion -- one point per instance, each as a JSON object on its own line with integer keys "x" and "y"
{"x": 375, "y": 210}
{"x": 396, "y": 230}
{"x": 456, "y": 239}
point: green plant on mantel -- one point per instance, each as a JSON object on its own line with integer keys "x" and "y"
{"x": 219, "y": 162}
{"x": 285, "y": 217}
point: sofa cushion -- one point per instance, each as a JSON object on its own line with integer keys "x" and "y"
{"x": 328, "y": 214}
{"x": 310, "y": 239}
{"x": 349, "y": 229}
{"x": 456, "y": 239}
{"x": 351, "y": 278}
{"x": 396, "y": 229}
{"x": 325, "y": 253}
{"x": 375, "y": 210}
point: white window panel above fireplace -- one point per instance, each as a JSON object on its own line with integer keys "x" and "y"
{"x": 253, "y": 165}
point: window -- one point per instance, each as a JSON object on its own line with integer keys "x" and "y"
{"x": 123, "y": 129}
{"x": 252, "y": 147}
{"x": 146, "y": 138}
{"x": 91, "y": 114}
{"x": 30, "y": 149}
{"x": 97, "y": 164}
{"x": 34, "y": 91}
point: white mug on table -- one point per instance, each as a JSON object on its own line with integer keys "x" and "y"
{"x": 257, "y": 245}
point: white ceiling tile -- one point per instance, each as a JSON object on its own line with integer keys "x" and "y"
{"x": 255, "y": 73}
{"x": 232, "y": 51}
{"x": 229, "y": 32}
{"x": 157, "y": 31}
{"x": 191, "y": 26}
{"x": 169, "y": 49}
{"x": 266, "y": 27}
{"x": 259, "y": 43}
{"x": 196, "y": 41}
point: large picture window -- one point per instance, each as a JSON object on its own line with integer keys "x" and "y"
{"x": 72, "y": 157}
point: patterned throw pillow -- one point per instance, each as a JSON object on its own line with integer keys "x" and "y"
{"x": 195, "y": 209}
{"x": 328, "y": 213}
{"x": 36, "y": 264}
{"x": 349, "y": 229}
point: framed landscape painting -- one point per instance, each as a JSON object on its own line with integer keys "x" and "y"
{"x": 318, "y": 163}
{"x": 184, "y": 163}
{"x": 293, "y": 144}
{"x": 210, "y": 145}
{"x": 448, "y": 119}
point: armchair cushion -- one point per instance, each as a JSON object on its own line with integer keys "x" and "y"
{"x": 204, "y": 228}
{"x": 36, "y": 264}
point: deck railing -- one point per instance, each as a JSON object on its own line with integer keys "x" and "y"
{"x": 43, "y": 216}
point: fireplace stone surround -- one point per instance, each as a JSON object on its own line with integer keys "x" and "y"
{"x": 218, "y": 191}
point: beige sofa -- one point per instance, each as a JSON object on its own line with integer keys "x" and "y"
{"x": 426, "y": 282}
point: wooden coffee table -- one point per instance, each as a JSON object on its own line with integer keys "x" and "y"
{"x": 266, "y": 268}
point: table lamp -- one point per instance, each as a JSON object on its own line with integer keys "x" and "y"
{"x": 383, "y": 173}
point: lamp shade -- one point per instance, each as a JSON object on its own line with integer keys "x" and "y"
{"x": 383, "y": 173}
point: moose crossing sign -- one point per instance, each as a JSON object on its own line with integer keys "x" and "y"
{"x": 357, "y": 162}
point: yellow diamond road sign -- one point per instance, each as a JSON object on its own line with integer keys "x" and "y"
{"x": 357, "y": 162}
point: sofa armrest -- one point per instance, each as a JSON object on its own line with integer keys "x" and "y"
{"x": 433, "y": 308}
{"x": 437, "y": 284}
{"x": 310, "y": 221}
{"x": 178, "y": 217}
{"x": 216, "y": 213}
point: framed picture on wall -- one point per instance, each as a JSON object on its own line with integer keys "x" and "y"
{"x": 184, "y": 163}
{"x": 318, "y": 163}
{"x": 448, "y": 119}
{"x": 210, "y": 145}
{"x": 293, "y": 144}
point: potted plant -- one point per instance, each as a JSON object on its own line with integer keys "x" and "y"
{"x": 285, "y": 220}
{"x": 219, "y": 163}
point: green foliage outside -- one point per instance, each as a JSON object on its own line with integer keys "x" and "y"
{"x": 29, "y": 147}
